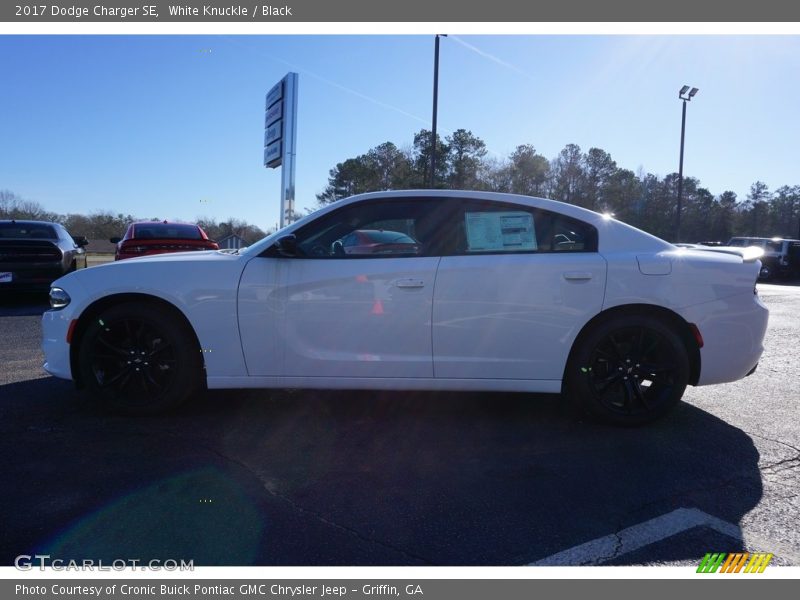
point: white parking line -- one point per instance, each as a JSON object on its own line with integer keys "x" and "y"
{"x": 638, "y": 536}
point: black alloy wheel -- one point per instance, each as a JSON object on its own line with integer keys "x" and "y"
{"x": 138, "y": 359}
{"x": 629, "y": 371}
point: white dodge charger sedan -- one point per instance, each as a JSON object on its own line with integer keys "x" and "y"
{"x": 418, "y": 290}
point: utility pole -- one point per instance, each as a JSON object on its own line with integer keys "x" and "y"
{"x": 435, "y": 108}
{"x": 682, "y": 95}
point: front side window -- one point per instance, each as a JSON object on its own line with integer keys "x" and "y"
{"x": 376, "y": 229}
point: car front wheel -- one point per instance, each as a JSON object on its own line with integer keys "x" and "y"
{"x": 138, "y": 358}
{"x": 628, "y": 370}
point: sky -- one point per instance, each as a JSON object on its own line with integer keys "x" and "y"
{"x": 172, "y": 126}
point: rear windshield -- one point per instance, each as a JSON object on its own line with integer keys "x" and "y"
{"x": 172, "y": 231}
{"x": 19, "y": 231}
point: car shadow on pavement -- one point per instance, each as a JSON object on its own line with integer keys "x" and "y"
{"x": 18, "y": 304}
{"x": 351, "y": 478}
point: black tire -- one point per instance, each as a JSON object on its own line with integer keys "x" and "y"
{"x": 628, "y": 370}
{"x": 137, "y": 358}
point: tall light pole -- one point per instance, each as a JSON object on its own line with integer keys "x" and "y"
{"x": 435, "y": 107}
{"x": 682, "y": 94}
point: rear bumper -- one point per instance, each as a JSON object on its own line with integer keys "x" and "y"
{"x": 733, "y": 332}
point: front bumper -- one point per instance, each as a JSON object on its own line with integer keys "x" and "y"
{"x": 55, "y": 325}
{"x": 30, "y": 279}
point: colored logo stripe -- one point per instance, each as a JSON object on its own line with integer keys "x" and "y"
{"x": 758, "y": 563}
{"x": 711, "y": 562}
{"x": 734, "y": 562}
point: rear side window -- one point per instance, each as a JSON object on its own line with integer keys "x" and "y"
{"x": 489, "y": 227}
{"x": 746, "y": 242}
{"x": 499, "y": 231}
{"x": 775, "y": 246}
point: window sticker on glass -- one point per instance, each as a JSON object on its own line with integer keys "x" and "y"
{"x": 500, "y": 231}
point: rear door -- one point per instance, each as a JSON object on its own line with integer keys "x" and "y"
{"x": 516, "y": 287}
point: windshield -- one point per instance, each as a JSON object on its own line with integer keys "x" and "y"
{"x": 29, "y": 231}
{"x": 273, "y": 237}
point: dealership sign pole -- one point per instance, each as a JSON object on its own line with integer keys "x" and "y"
{"x": 280, "y": 139}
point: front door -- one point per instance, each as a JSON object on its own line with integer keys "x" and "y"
{"x": 355, "y": 301}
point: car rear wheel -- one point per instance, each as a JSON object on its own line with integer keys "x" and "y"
{"x": 139, "y": 359}
{"x": 628, "y": 370}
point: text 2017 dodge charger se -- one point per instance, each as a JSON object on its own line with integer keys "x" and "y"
{"x": 498, "y": 293}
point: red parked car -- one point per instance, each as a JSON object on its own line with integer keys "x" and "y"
{"x": 376, "y": 241}
{"x": 153, "y": 237}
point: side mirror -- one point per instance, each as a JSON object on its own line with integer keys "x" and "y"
{"x": 81, "y": 241}
{"x": 287, "y": 246}
{"x": 115, "y": 240}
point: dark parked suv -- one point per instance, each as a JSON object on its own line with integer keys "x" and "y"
{"x": 781, "y": 256}
{"x": 35, "y": 253}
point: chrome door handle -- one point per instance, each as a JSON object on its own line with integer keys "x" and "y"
{"x": 409, "y": 283}
{"x": 577, "y": 276}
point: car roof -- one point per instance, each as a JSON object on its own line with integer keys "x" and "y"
{"x": 614, "y": 235}
{"x": 545, "y": 203}
{"x": 28, "y": 222}
{"x": 164, "y": 223}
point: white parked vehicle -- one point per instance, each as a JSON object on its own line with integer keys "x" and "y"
{"x": 487, "y": 291}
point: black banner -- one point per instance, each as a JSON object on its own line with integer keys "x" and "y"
{"x": 268, "y": 11}
{"x": 361, "y": 589}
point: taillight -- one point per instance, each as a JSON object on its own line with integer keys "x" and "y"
{"x": 129, "y": 248}
{"x": 697, "y": 336}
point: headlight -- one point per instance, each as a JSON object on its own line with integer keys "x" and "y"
{"x": 58, "y": 298}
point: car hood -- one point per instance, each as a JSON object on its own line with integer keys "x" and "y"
{"x": 177, "y": 277}
{"x": 181, "y": 257}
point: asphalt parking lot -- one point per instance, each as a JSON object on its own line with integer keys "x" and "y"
{"x": 358, "y": 478}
